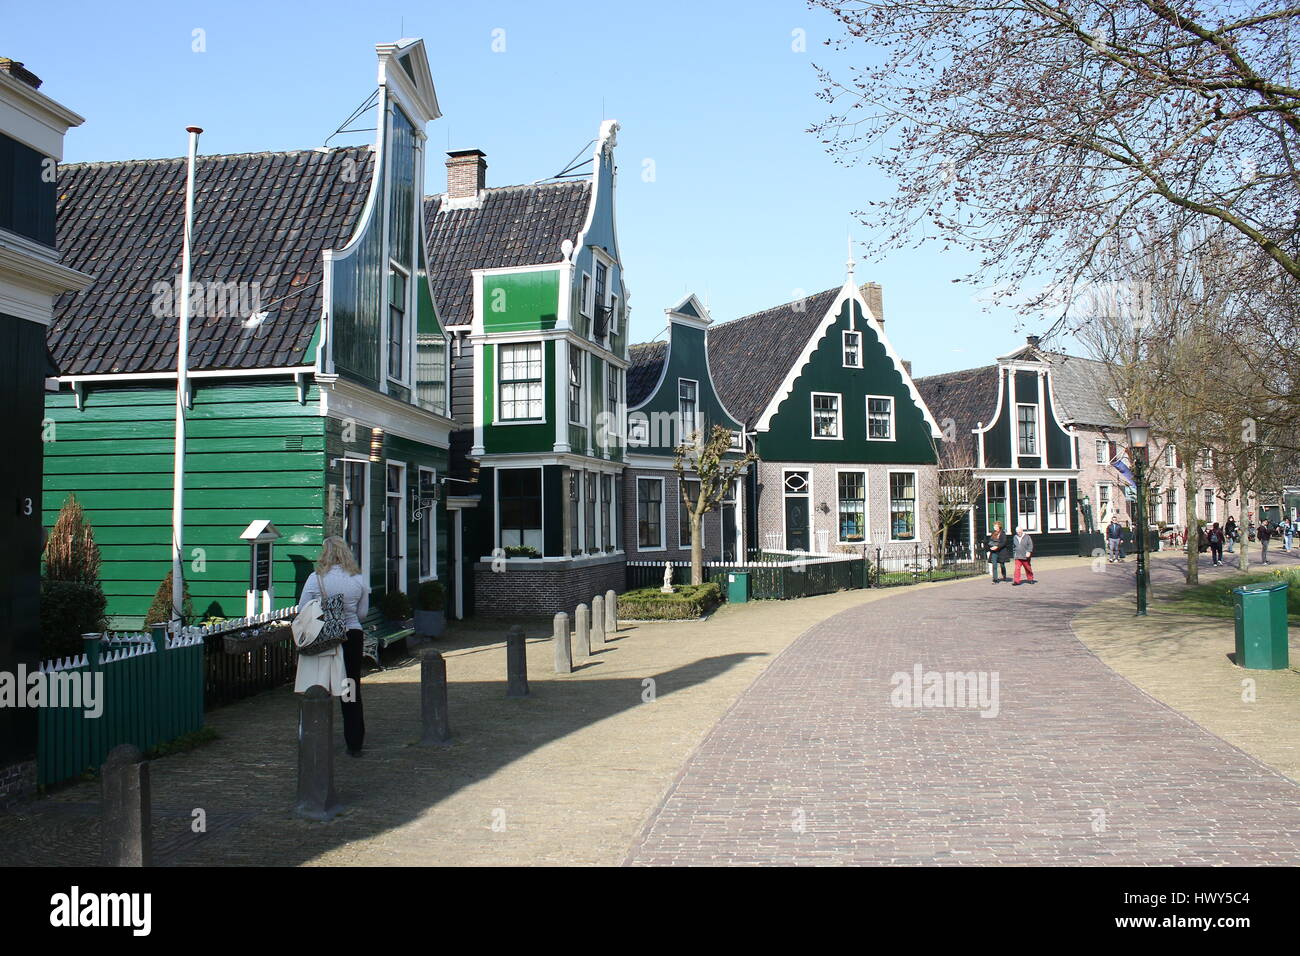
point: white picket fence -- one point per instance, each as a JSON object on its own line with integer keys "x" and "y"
{"x": 118, "y": 646}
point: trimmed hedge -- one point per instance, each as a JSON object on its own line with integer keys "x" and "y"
{"x": 689, "y": 601}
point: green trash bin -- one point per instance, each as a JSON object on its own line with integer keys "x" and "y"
{"x": 1259, "y": 611}
{"x": 737, "y": 587}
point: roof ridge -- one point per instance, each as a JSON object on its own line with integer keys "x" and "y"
{"x": 209, "y": 156}
{"x": 783, "y": 305}
{"x": 516, "y": 187}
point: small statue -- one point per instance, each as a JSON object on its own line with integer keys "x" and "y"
{"x": 668, "y": 578}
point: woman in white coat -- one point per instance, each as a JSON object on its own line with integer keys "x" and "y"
{"x": 339, "y": 670}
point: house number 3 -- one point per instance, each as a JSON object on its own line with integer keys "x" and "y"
{"x": 26, "y": 506}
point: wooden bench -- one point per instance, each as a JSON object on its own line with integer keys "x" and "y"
{"x": 379, "y": 634}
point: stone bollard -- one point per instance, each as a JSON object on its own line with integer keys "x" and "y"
{"x": 126, "y": 837}
{"x": 563, "y": 653}
{"x": 582, "y": 630}
{"x": 611, "y": 612}
{"x": 598, "y": 621}
{"x": 516, "y": 663}
{"x": 316, "y": 799}
{"x": 435, "y": 728}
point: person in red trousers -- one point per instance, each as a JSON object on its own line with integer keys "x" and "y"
{"x": 1022, "y": 547}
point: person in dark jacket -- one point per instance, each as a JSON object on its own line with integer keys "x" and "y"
{"x": 1264, "y": 534}
{"x": 998, "y": 544}
{"x": 1114, "y": 532}
{"x": 1230, "y": 533}
{"x": 1214, "y": 537}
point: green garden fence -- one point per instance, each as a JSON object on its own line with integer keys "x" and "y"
{"x": 148, "y": 691}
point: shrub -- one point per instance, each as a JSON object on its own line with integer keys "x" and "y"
{"x": 70, "y": 552}
{"x": 522, "y": 551}
{"x": 68, "y": 610}
{"x": 395, "y": 606}
{"x": 687, "y": 602}
{"x": 160, "y": 611}
{"x": 430, "y": 596}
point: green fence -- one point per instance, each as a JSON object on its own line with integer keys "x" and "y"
{"x": 147, "y": 691}
{"x": 769, "y": 579}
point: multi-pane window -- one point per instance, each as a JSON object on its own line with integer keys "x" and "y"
{"x": 1209, "y": 504}
{"x": 853, "y": 350}
{"x": 688, "y": 408}
{"x": 1027, "y": 428}
{"x": 1058, "y": 513}
{"x": 1027, "y": 505}
{"x": 1171, "y": 506}
{"x": 589, "y": 523}
{"x": 394, "y": 496}
{"x": 1170, "y": 458}
{"x": 519, "y": 494}
{"x": 606, "y": 509}
{"x": 880, "y": 417}
{"x": 613, "y": 314}
{"x": 650, "y": 512}
{"x": 585, "y": 305}
{"x": 1153, "y": 508}
{"x": 428, "y": 517}
{"x": 852, "y": 505}
{"x": 575, "y": 511}
{"x": 1101, "y": 451}
{"x": 354, "y": 507}
{"x": 996, "y": 492}
{"x": 602, "y": 282}
{"x": 521, "y": 382}
{"x": 397, "y": 325}
{"x": 577, "y": 380}
{"x": 684, "y": 517}
{"x": 1103, "y": 503}
{"x": 825, "y": 415}
{"x": 613, "y": 388}
{"x": 902, "y": 505}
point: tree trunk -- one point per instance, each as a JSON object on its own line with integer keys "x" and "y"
{"x": 1193, "y": 527}
{"x": 1243, "y": 531}
{"x": 697, "y": 549}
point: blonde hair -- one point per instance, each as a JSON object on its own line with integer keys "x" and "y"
{"x": 335, "y": 551}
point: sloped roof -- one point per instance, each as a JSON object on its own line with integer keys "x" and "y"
{"x": 508, "y": 226}
{"x": 750, "y": 357}
{"x": 643, "y": 374}
{"x": 1083, "y": 390}
{"x": 259, "y": 218}
{"x": 968, "y": 397}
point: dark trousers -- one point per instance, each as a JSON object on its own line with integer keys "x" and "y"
{"x": 354, "y": 721}
{"x": 999, "y": 564}
{"x": 1216, "y": 552}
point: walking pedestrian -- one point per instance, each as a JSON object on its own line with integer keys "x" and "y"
{"x": 998, "y": 544}
{"x": 1114, "y": 532}
{"x": 1288, "y": 533}
{"x": 1230, "y": 533}
{"x": 1215, "y": 538}
{"x": 337, "y": 573}
{"x": 1023, "y": 550}
{"x": 1264, "y": 533}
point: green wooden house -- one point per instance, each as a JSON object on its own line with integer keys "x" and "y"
{"x": 846, "y": 445}
{"x": 530, "y": 284}
{"x": 32, "y": 273}
{"x": 670, "y": 396}
{"x": 317, "y": 386}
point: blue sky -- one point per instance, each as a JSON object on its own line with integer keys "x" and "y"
{"x": 744, "y": 208}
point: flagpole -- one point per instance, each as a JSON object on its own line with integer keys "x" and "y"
{"x": 182, "y": 389}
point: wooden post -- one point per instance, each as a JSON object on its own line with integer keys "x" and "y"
{"x": 435, "y": 727}
{"x": 582, "y": 632}
{"x": 316, "y": 798}
{"x": 127, "y": 828}
{"x": 516, "y": 663}
{"x": 563, "y": 653}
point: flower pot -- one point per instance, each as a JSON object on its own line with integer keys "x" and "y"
{"x": 430, "y": 623}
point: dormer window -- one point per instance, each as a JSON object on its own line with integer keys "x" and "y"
{"x": 688, "y": 413}
{"x": 1027, "y": 428}
{"x": 853, "y": 350}
{"x": 601, "y": 294}
{"x": 397, "y": 325}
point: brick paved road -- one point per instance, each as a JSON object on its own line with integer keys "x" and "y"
{"x": 813, "y": 764}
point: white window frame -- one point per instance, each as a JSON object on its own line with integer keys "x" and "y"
{"x": 663, "y": 516}
{"x": 584, "y": 377}
{"x": 1103, "y": 451}
{"x": 698, "y": 423}
{"x": 988, "y": 512}
{"x": 916, "y": 504}
{"x": 866, "y": 506}
{"x": 1171, "y": 460}
{"x": 403, "y": 376}
{"x": 893, "y": 416}
{"x": 844, "y": 348}
{"x": 1065, "y": 497}
{"x": 496, "y": 516}
{"x": 428, "y": 520}
{"x": 1020, "y": 515}
{"x": 500, "y": 391}
{"x": 1038, "y": 444}
{"x": 402, "y": 505}
{"x": 1103, "y": 519}
{"x": 587, "y": 296}
{"x": 806, "y": 470}
{"x": 638, "y": 431}
{"x": 839, "y": 416}
{"x": 1208, "y": 504}
{"x": 365, "y": 508}
{"x": 613, "y": 314}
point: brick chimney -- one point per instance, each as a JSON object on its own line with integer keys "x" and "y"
{"x": 16, "y": 70}
{"x": 1031, "y": 340}
{"x": 466, "y": 173}
{"x": 871, "y": 292}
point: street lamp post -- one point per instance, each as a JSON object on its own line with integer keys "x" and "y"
{"x": 1138, "y": 433}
